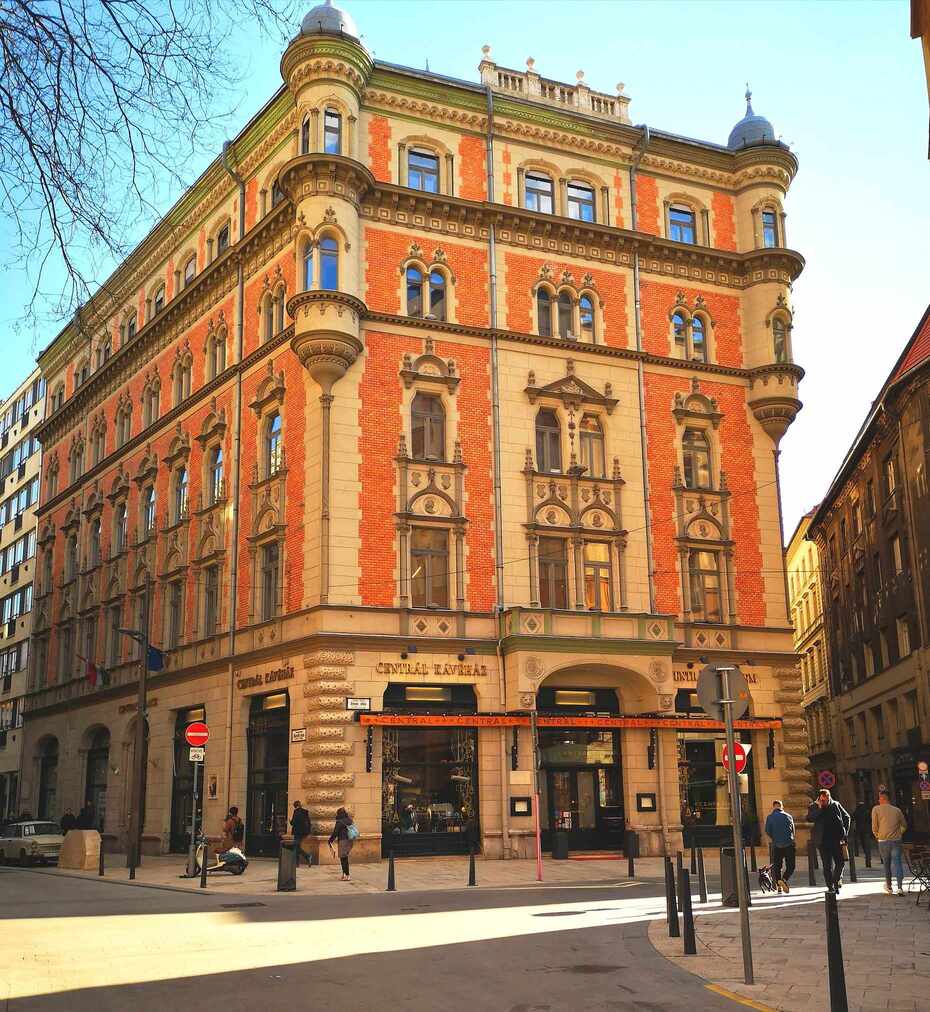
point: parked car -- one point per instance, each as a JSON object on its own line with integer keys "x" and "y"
{"x": 30, "y": 842}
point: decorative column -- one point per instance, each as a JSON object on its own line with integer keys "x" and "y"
{"x": 326, "y": 403}
{"x": 578, "y": 557}
{"x": 532, "y": 541}
{"x": 401, "y": 164}
{"x": 705, "y": 226}
{"x": 605, "y": 204}
{"x": 520, "y": 187}
{"x": 450, "y": 177}
{"x": 563, "y": 197}
{"x": 315, "y": 144}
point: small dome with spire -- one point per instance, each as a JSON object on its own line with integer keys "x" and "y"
{"x": 325, "y": 19}
{"x": 751, "y": 129}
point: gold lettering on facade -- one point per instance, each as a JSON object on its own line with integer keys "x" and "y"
{"x": 269, "y": 677}
{"x": 435, "y": 670}
{"x": 691, "y": 675}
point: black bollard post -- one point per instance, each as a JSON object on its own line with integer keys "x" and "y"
{"x": 630, "y": 869}
{"x": 471, "y": 867}
{"x": 204, "y": 861}
{"x": 132, "y": 861}
{"x": 693, "y": 860}
{"x": 688, "y": 915}
{"x": 838, "y": 1002}
{"x": 670, "y": 901}
{"x": 853, "y": 877}
{"x": 678, "y": 870}
{"x": 100, "y": 869}
{"x": 391, "y": 887}
{"x": 811, "y": 864}
{"x": 702, "y": 876}
{"x": 868, "y": 852}
{"x": 752, "y": 858}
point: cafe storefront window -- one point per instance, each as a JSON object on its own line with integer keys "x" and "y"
{"x": 429, "y": 780}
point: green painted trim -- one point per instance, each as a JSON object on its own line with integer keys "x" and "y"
{"x": 584, "y": 645}
{"x": 431, "y": 91}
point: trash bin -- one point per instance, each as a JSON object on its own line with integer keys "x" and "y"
{"x": 560, "y": 845}
{"x": 287, "y": 868}
{"x": 728, "y": 888}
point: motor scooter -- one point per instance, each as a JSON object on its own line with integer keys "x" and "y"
{"x": 232, "y": 861}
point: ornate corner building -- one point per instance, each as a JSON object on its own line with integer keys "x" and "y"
{"x": 433, "y": 403}
{"x": 872, "y": 533}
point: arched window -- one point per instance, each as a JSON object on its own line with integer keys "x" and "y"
{"x": 329, "y": 264}
{"x": 123, "y": 425}
{"x": 580, "y": 201}
{"x": 222, "y": 239}
{"x": 332, "y": 132}
{"x": 93, "y": 545}
{"x": 308, "y": 266}
{"x": 104, "y": 351}
{"x": 148, "y": 515}
{"x": 52, "y": 483}
{"x": 423, "y": 171}
{"x": 681, "y": 224}
{"x": 131, "y": 327}
{"x": 698, "y": 340}
{"x": 414, "y": 292}
{"x": 190, "y": 269}
{"x": 268, "y": 317}
{"x": 544, "y": 312}
{"x": 537, "y": 193}
{"x": 769, "y": 229}
{"x": 437, "y": 295}
{"x": 279, "y": 311}
{"x": 565, "y": 315}
{"x": 47, "y": 569}
{"x": 273, "y": 445}
{"x": 182, "y": 381}
{"x": 277, "y": 194}
{"x": 591, "y": 438}
{"x": 216, "y": 355}
{"x": 71, "y": 558}
{"x": 780, "y": 339}
{"x": 548, "y": 442}
{"x": 696, "y": 457}
{"x": 215, "y": 476}
{"x": 150, "y": 405}
{"x": 704, "y": 578}
{"x": 77, "y": 462}
{"x": 428, "y": 428}
{"x": 586, "y": 318}
{"x": 121, "y": 529}
{"x": 305, "y": 136}
{"x": 681, "y": 335}
{"x": 158, "y": 303}
{"x": 180, "y": 494}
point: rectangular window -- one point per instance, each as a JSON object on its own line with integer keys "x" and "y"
{"x": 429, "y": 568}
{"x": 769, "y": 229}
{"x": 332, "y": 132}
{"x": 553, "y": 573}
{"x": 878, "y": 721}
{"x": 883, "y": 643}
{"x": 870, "y": 499}
{"x": 175, "y": 613}
{"x": 597, "y": 594}
{"x": 706, "y": 603}
{"x": 580, "y": 202}
{"x": 270, "y": 575}
{"x": 211, "y": 600}
{"x": 897, "y": 557}
{"x": 537, "y": 195}
{"x": 890, "y": 471}
{"x": 423, "y": 171}
{"x": 856, "y": 520}
{"x": 115, "y": 653}
{"x": 681, "y": 225}
{"x": 904, "y": 638}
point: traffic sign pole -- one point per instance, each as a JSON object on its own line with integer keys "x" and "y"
{"x": 726, "y": 702}
{"x": 192, "y": 847}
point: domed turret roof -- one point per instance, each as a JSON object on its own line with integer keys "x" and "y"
{"x": 325, "y": 19}
{"x": 751, "y": 129}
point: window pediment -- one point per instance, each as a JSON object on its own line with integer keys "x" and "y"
{"x": 270, "y": 392}
{"x": 571, "y": 391}
{"x": 148, "y": 467}
{"x": 214, "y": 426}
{"x": 695, "y": 406}
{"x": 180, "y": 448}
{"x": 429, "y": 367}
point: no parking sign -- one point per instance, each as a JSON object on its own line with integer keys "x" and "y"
{"x": 826, "y": 779}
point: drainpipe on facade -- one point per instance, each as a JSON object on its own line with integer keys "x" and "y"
{"x": 236, "y": 451}
{"x": 496, "y": 435}
{"x": 638, "y": 153}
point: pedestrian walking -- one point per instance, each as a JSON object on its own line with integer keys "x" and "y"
{"x": 233, "y": 830}
{"x": 779, "y": 828}
{"x": 301, "y": 829}
{"x": 888, "y": 827}
{"x": 862, "y": 821}
{"x": 831, "y": 824}
{"x": 344, "y": 834}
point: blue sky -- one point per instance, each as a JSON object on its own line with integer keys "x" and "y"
{"x": 842, "y": 83}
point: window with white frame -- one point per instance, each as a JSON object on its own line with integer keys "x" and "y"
{"x": 682, "y": 225}
{"x": 580, "y": 198}
{"x": 423, "y": 170}
{"x": 538, "y": 193}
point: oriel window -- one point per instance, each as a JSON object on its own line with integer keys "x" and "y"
{"x": 704, "y": 574}
{"x": 597, "y": 576}
{"x": 580, "y": 201}
{"x": 553, "y": 573}
{"x": 428, "y": 428}
{"x": 769, "y": 229}
{"x": 591, "y": 438}
{"x": 222, "y": 240}
{"x": 423, "y": 171}
{"x": 332, "y": 132}
{"x": 779, "y": 339}
{"x": 696, "y": 457}
{"x": 537, "y": 194}
{"x": 429, "y": 568}
{"x": 681, "y": 225}
{"x": 548, "y": 442}
{"x": 329, "y": 264}
{"x": 308, "y": 266}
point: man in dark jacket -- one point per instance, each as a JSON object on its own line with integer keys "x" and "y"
{"x": 831, "y": 824}
{"x": 300, "y": 827}
{"x": 68, "y": 821}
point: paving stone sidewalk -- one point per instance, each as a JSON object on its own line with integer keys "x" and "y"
{"x": 886, "y": 949}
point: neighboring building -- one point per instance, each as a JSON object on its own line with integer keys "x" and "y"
{"x": 20, "y": 468}
{"x": 920, "y": 29}
{"x": 872, "y": 532}
{"x": 810, "y": 644}
{"x": 377, "y": 425}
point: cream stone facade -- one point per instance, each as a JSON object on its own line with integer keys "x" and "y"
{"x": 501, "y": 388}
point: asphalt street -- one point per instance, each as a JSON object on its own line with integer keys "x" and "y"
{"x": 73, "y": 944}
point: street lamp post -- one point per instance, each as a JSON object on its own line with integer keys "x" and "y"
{"x": 138, "y": 772}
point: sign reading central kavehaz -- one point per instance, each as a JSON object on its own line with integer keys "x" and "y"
{"x": 521, "y": 720}
{"x": 431, "y": 670}
{"x": 284, "y": 674}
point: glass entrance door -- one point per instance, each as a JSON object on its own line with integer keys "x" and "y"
{"x": 266, "y": 805}
{"x": 182, "y": 785}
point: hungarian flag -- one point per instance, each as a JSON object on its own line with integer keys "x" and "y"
{"x": 94, "y": 674}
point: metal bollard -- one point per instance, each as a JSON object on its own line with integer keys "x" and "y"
{"x": 688, "y": 915}
{"x": 811, "y": 864}
{"x": 679, "y": 867}
{"x": 853, "y": 877}
{"x": 132, "y": 861}
{"x": 671, "y": 905}
{"x": 100, "y": 868}
{"x": 693, "y": 861}
{"x": 630, "y": 869}
{"x": 752, "y": 858}
{"x": 838, "y": 1002}
{"x": 471, "y": 867}
{"x": 391, "y": 887}
{"x": 204, "y": 861}
{"x": 702, "y": 876}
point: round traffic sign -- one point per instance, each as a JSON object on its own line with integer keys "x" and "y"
{"x": 826, "y": 779}
{"x": 197, "y": 734}
{"x": 710, "y": 691}
{"x": 739, "y": 755}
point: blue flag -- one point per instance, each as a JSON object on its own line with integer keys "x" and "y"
{"x": 156, "y": 659}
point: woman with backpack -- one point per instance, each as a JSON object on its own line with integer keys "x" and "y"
{"x": 344, "y": 834}
{"x": 233, "y": 831}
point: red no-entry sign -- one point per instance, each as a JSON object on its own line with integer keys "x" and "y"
{"x": 740, "y": 755}
{"x": 197, "y": 734}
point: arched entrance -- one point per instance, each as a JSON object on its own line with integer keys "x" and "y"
{"x": 95, "y": 784}
{"x": 48, "y": 779}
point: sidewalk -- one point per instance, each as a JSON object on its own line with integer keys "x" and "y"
{"x": 886, "y": 949}
{"x": 412, "y": 875}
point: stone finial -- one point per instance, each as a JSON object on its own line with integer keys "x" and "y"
{"x": 620, "y": 87}
{"x": 486, "y": 51}
{"x": 530, "y": 64}
{"x": 579, "y": 76}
